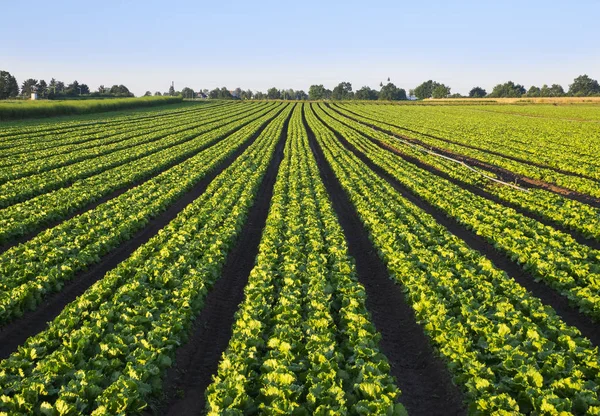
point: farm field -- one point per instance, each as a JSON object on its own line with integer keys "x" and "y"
{"x": 273, "y": 257}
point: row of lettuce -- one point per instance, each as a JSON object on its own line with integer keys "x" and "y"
{"x": 549, "y": 255}
{"x": 32, "y": 270}
{"x": 27, "y": 109}
{"x": 558, "y": 153}
{"x": 44, "y": 175}
{"x": 39, "y": 153}
{"x": 30, "y": 215}
{"x": 570, "y": 214}
{"x": 508, "y": 351}
{"x": 302, "y": 342}
{"x": 106, "y": 352}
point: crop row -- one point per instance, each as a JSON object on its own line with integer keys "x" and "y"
{"x": 509, "y": 352}
{"x": 575, "y": 183}
{"x": 551, "y": 143}
{"x": 103, "y": 130}
{"x": 24, "y": 188}
{"x": 549, "y": 255}
{"x": 75, "y": 147}
{"x": 302, "y": 343}
{"x": 40, "y": 266}
{"x": 571, "y": 214}
{"x": 29, "y": 216}
{"x": 102, "y": 355}
{"x": 48, "y": 131}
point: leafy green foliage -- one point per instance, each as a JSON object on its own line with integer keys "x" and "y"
{"x": 107, "y": 351}
{"x": 302, "y": 342}
{"x": 510, "y": 353}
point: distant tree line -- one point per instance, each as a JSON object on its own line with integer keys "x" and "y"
{"x": 9, "y": 88}
{"x": 582, "y": 86}
{"x": 343, "y": 91}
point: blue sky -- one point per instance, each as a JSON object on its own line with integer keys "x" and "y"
{"x": 259, "y": 44}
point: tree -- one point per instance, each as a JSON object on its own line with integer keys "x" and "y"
{"x": 157, "y": 94}
{"x": 120, "y": 91}
{"x": 187, "y": 92}
{"x": 9, "y": 88}
{"x": 42, "y": 89}
{"x": 366, "y": 93}
{"x": 72, "y": 89}
{"x": 301, "y": 95}
{"x": 273, "y": 94}
{"x": 343, "y": 91}
{"x": 554, "y": 91}
{"x": 557, "y": 90}
{"x": 288, "y": 94}
{"x": 477, "y": 92}
{"x": 237, "y": 93}
{"x": 147, "y": 94}
{"x": 534, "y": 91}
{"x": 247, "y": 95}
{"x": 440, "y": 91}
{"x": 584, "y": 86}
{"x": 508, "y": 89}
{"x": 172, "y": 90}
{"x": 220, "y": 93}
{"x": 84, "y": 89}
{"x": 259, "y": 95}
{"x": 29, "y": 85}
{"x": 392, "y": 93}
{"x": 316, "y": 92}
{"x": 425, "y": 90}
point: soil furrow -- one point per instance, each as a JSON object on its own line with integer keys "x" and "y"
{"x": 33, "y": 322}
{"x": 481, "y": 149}
{"x": 111, "y": 195}
{"x": 504, "y": 174}
{"x": 197, "y": 360}
{"x": 426, "y": 385}
{"x": 546, "y": 294}
{"x": 581, "y": 239}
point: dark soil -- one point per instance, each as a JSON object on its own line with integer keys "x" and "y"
{"x": 197, "y": 360}
{"x": 488, "y": 151}
{"x": 581, "y": 239}
{"x": 88, "y": 207}
{"x": 16, "y": 333}
{"x": 502, "y": 173}
{"x": 426, "y": 385}
{"x": 546, "y": 294}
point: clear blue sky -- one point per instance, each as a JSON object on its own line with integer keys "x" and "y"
{"x": 147, "y": 44}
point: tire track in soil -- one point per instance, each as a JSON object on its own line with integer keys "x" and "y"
{"x": 93, "y": 204}
{"x": 480, "y": 149}
{"x": 426, "y": 385}
{"x": 32, "y": 322}
{"x": 502, "y": 173}
{"x": 546, "y": 294}
{"x": 198, "y": 359}
{"x": 581, "y": 239}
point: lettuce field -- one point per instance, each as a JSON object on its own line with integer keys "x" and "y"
{"x": 327, "y": 258}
